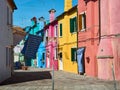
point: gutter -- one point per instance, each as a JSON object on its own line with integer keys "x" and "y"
{"x": 99, "y": 20}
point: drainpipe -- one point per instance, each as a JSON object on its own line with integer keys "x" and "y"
{"x": 77, "y": 37}
{"x": 99, "y": 20}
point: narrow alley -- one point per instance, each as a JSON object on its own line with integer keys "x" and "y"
{"x": 41, "y": 79}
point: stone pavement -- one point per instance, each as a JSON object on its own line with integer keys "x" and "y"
{"x": 41, "y": 79}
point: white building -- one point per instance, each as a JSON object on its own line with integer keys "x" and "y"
{"x": 17, "y": 52}
{"x": 6, "y": 38}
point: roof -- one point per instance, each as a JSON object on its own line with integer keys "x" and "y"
{"x": 73, "y": 8}
{"x": 18, "y": 30}
{"x": 12, "y": 4}
{"x": 46, "y": 26}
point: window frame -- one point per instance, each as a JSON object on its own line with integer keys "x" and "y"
{"x": 55, "y": 30}
{"x": 82, "y": 21}
{"x": 73, "y": 27}
{"x": 55, "y": 53}
{"x": 60, "y": 30}
{"x": 73, "y": 54}
{"x": 8, "y": 56}
{"x": 43, "y": 57}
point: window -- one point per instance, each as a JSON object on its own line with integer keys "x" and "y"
{"x": 60, "y": 30}
{"x": 8, "y": 56}
{"x": 43, "y": 57}
{"x": 46, "y": 34}
{"x": 73, "y": 54}
{"x": 82, "y": 22}
{"x": 73, "y": 25}
{"x": 11, "y": 16}
{"x": 55, "y": 53}
{"x": 55, "y": 31}
{"x": 60, "y": 55}
{"x": 8, "y": 16}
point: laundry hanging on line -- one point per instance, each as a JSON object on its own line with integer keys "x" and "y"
{"x": 31, "y": 46}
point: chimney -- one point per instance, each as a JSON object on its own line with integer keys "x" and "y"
{"x": 67, "y": 5}
{"x": 52, "y": 14}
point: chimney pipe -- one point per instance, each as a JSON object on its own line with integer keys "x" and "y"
{"x": 52, "y": 14}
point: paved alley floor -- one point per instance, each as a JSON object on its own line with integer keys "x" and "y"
{"x": 41, "y": 79}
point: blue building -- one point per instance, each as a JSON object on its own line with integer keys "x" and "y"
{"x": 34, "y": 29}
{"x": 41, "y": 63}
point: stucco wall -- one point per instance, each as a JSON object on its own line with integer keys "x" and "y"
{"x": 109, "y": 44}
{"x": 6, "y": 39}
{"x": 89, "y": 37}
{"x": 67, "y": 41}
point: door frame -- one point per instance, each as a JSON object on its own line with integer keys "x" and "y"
{"x": 60, "y": 61}
{"x": 83, "y": 59}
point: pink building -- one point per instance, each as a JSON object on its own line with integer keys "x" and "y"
{"x": 51, "y": 42}
{"x": 109, "y": 49}
{"x": 88, "y": 33}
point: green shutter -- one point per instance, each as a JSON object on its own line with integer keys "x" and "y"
{"x": 75, "y": 24}
{"x": 71, "y": 25}
{"x": 73, "y": 52}
{"x": 60, "y": 29}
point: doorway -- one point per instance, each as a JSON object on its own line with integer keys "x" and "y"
{"x": 81, "y": 60}
{"x": 60, "y": 62}
{"x": 48, "y": 62}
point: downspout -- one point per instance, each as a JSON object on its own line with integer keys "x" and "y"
{"x": 99, "y": 20}
{"x": 77, "y": 38}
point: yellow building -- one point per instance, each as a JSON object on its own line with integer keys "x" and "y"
{"x": 67, "y": 38}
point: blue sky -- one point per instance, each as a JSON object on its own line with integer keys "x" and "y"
{"x": 30, "y": 8}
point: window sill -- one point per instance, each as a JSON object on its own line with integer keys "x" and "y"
{"x": 73, "y": 32}
{"x": 60, "y": 36}
{"x": 55, "y": 59}
{"x": 82, "y": 30}
{"x": 75, "y": 61}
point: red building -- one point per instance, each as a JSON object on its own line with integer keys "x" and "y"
{"x": 109, "y": 49}
{"x": 88, "y": 36}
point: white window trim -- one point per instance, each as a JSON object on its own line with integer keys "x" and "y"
{"x": 83, "y": 29}
{"x": 74, "y": 24}
{"x": 59, "y": 31}
{"x": 46, "y": 33}
{"x": 55, "y": 30}
{"x": 75, "y": 56}
{"x": 55, "y": 53}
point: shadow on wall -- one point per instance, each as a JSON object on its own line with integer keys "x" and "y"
{"x": 90, "y": 0}
{"x": 20, "y": 77}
